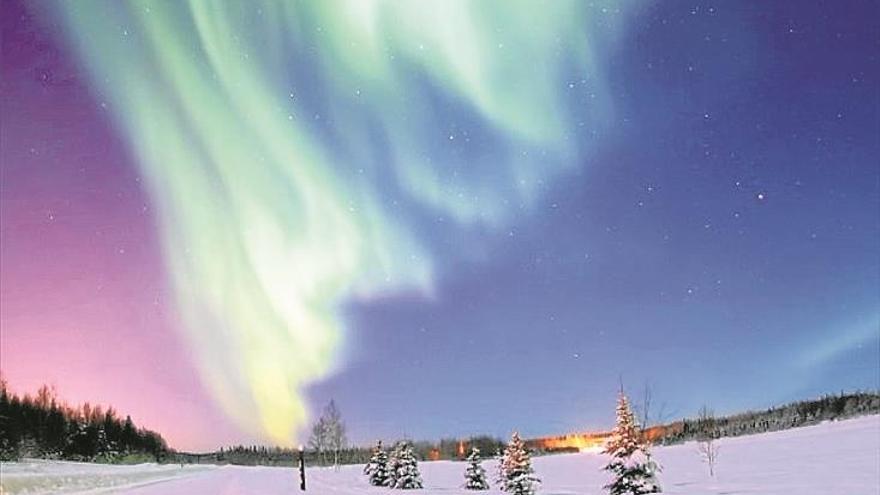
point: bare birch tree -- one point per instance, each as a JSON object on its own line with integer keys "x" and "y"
{"x": 707, "y": 429}
{"x": 335, "y": 426}
{"x": 328, "y": 434}
{"x": 318, "y": 440}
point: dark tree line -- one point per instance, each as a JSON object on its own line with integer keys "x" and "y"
{"x": 793, "y": 415}
{"x": 44, "y": 427}
{"x": 278, "y": 456}
{"x": 257, "y": 455}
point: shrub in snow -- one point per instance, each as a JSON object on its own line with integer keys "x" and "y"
{"x": 403, "y": 469}
{"x": 377, "y": 469}
{"x": 517, "y": 475}
{"x": 475, "y": 475}
{"x": 631, "y": 464}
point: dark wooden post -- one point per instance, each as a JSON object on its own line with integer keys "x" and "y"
{"x": 302, "y": 469}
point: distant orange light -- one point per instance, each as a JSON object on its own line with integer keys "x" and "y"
{"x": 583, "y": 442}
{"x": 595, "y": 441}
{"x": 434, "y": 454}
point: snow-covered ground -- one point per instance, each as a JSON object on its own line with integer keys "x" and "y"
{"x": 39, "y": 477}
{"x": 832, "y": 458}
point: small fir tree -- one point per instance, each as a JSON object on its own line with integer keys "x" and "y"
{"x": 518, "y": 477}
{"x": 499, "y": 467}
{"x": 377, "y": 469}
{"x": 404, "y": 469}
{"x": 631, "y": 464}
{"x": 475, "y": 475}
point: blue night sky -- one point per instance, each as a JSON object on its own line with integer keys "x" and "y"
{"x": 471, "y": 220}
{"x": 722, "y": 243}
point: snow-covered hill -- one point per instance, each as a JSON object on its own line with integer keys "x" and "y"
{"x": 831, "y": 458}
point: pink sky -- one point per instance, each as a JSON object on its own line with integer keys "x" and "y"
{"x": 82, "y": 302}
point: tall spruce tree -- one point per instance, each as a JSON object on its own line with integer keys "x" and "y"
{"x": 475, "y": 475}
{"x": 377, "y": 469}
{"x": 403, "y": 468}
{"x": 517, "y": 474}
{"x": 631, "y": 464}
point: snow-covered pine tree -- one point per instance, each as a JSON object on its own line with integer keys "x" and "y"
{"x": 631, "y": 464}
{"x": 475, "y": 475}
{"x": 403, "y": 468}
{"x": 377, "y": 469}
{"x": 393, "y": 465}
{"x": 518, "y": 477}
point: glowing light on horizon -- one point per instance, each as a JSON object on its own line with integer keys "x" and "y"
{"x": 286, "y": 144}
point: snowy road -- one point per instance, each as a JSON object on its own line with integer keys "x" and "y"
{"x": 832, "y": 458}
{"x": 235, "y": 480}
{"x": 227, "y": 480}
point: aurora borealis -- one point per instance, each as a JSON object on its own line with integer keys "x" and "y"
{"x": 345, "y": 193}
{"x": 274, "y": 210}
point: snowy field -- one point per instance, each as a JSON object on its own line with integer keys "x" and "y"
{"x": 831, "y": 458}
